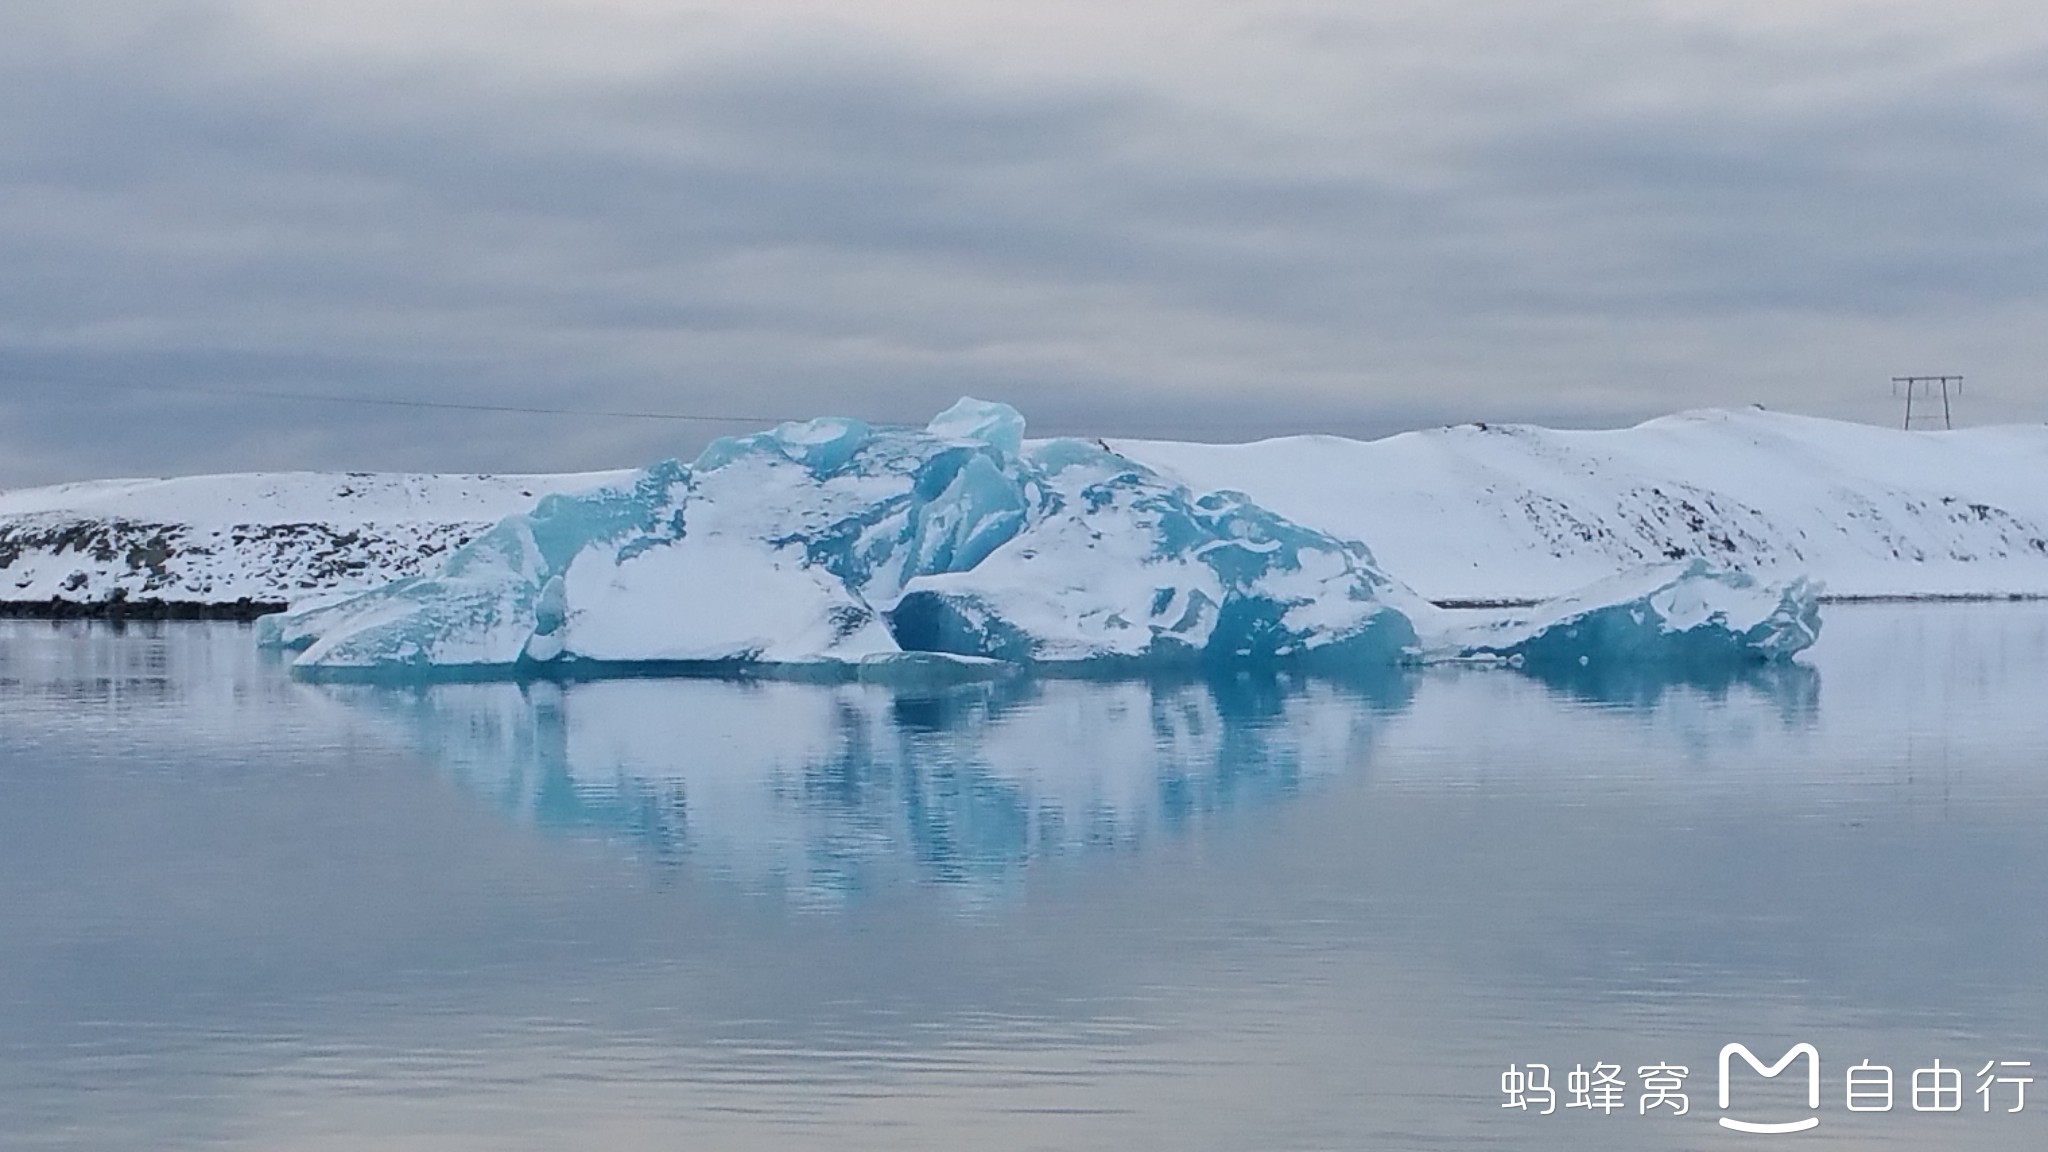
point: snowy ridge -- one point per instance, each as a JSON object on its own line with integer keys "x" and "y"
{"x": 1469, "y": 513}
{"x": 1484, "y": 512}
{"x": 268, "y": 536}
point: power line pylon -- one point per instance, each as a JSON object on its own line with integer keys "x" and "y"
{"x": 1925, "y": 385}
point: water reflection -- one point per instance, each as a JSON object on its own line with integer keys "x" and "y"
{"x": 241, "y": 911}
{"x": 1793, "y": 688}
{"x": 826, "y": 790}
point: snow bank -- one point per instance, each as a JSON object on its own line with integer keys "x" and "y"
{"x": 1484, "y": 512}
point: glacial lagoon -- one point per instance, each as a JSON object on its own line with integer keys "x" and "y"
{"x": 240, "y": 911}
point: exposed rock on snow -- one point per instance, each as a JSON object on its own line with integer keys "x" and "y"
{"x": 265, "y": 537}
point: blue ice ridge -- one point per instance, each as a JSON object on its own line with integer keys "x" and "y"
{"x": 836, "y": 544}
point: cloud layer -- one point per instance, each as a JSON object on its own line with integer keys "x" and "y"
{"x": 1194, "y": 219}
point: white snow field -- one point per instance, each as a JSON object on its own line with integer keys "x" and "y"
{"x": 1503, "y": 512}
{"x": 268, "y": 536}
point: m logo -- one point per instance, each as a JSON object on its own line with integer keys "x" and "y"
{"x": 1812, "y": 1087}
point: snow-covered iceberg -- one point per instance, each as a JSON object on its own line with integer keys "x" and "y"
{"x": 835, "y": 545}
{"x": 1678, "y": 615}
{"x": 1114, "y": 564}
{"x": 833, "y": 542}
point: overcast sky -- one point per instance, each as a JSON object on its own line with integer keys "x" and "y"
{"x": 1162, "y": 217}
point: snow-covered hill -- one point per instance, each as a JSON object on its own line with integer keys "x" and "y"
{"x": 1469, "y": 513}
{"x": 1511, "y": 512}
{"x": 266, "y": 537}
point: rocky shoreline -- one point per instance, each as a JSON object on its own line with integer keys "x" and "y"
{"x": 142, "y": 608}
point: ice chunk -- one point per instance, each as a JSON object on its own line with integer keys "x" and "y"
{"x": 1671, "y": 615}
{"x": 742, "y": 558}
{"x": 823, "y": 446}
{"x": 293, "y": 631}
{"x": 931, "y": 669}
{"x": 999, "y": 426}
{"x": 550, "y": 612}
{"x": 490, "y": 598}
{"x": 964, "y": 506}
{"x": 765, "y": 550}
{"x": 1117, "y": 564}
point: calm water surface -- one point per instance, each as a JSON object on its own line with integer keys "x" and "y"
{"x": 242, "y": 912}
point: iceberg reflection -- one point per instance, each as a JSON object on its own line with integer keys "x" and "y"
{"x": 824, "y": 791}
{"x": 1792, "y": 688}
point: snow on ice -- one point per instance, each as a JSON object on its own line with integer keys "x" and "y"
{"x": 834, "y": 545}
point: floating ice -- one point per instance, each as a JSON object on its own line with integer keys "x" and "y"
{"x": 1671, "y": 615}
{"x": 832, "y": 544}
{"x": 1116, "y": 564}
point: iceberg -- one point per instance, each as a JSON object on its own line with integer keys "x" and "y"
{"x": 839, "y": 548}
{"x": 1116, "y": 565}
{"x": 1678, "y": 615}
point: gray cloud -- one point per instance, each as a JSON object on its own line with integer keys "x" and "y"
{"x": 1593, "y": 233}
